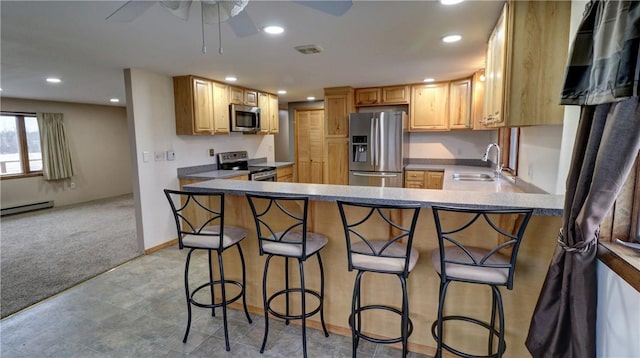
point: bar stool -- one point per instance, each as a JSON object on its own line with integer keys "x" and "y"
{"x": 480, "y": 247}
{"x": 281, "y": 225}
{"x": 200, "y": 225}
{"x": 379, "y": 241}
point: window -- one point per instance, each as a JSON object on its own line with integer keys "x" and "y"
{"x": 20, "y": 153}
{"x": 509, "y": 140}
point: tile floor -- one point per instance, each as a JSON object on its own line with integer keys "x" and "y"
{"x": 138, "y": 310}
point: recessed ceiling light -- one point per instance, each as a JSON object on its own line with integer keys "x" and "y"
{"x": 53, "y": 80}
{"x": 450, "y": 2}
{"x": 273, "y": 30}
{"x": 230, "y": 78}
{"x": 451, "y": 38}
{"x": 282, "y": 92}
{"x": 114, "y": 100}
{"x": 428, "y": 80}
{"x": 310, "y": 98}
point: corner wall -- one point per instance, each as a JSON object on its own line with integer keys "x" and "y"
{"x": 151, "y": 118}
{"x": 99, "y": 150}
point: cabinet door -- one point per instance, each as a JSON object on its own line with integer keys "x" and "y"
{"x": 434, "y": 180}
{"x": 203, "y": 106}
{"x": 337, "y": 161}
{"x": 460, "y": 104}
{"x": 395, "y": 95}
{"x": 265, "y": 113}
{"x": 337, "y": 117}
{"x": 367, "y": 96}
{"x": 250, "y": 97}
{"x": 429, "y": 107}
{"x": 495, "y": 73}
{"x": 414, "y": 179}
{"x": 236, "y": 95}
{"x": 285, "y": 174}
{"x": 220, "y": 108}
{"x": 309, "y": 145}
{"x": 477, "y": 100}
{"x": 274, "y": 125}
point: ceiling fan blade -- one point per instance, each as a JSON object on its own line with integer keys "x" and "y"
{"x": 242, "y": 25}
{"x": 332, "y": 7}
{"x": 178, "y": 8}
{"x": 129, "y": 11}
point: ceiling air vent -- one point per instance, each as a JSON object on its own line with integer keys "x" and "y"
{"x": 308, "y": 49}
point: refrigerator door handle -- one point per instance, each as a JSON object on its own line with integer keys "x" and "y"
{"x": 372, "y": 141}
{"x": 378, "y": 175}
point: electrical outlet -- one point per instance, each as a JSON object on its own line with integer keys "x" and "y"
{"x": 72, "y": 185}
{"x": 159, "y": 156}
{"x": 212, "y": 152}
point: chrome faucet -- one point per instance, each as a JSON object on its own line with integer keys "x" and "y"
{"x": 498, "y": 169}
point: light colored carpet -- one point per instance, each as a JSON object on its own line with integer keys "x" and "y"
{"x": 45, "y": 252}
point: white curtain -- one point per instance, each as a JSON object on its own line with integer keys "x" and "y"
{"x": 56, "y": 154}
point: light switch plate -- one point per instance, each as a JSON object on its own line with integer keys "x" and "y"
{"x": 146, "y": 157}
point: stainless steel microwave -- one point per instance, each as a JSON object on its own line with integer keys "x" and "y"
{"x": 244, "y": 118}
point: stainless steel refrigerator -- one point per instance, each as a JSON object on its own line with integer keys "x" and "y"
{"x": 378, "y": 143}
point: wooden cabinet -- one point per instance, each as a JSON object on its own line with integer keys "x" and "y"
{"x": 477, "y": 100}
{"x": 460, "y": 104}
{"x": 368, "y": 96}
{"x": 199, "y": 109}
{"x": 429, "y": 107}
{"x": 238, "y": 95}
{"x": 220, "y": 108}
{"x": 526, "y": 57}
{"x": 421, "y": 179}
{"x": 268, "y": 104}
{"x": 338, "y": 104}
{"x": 285, "y": 174}
{"x": 380, "y": 96}
{"x": 337, "y": 161}
{"x": 396, "y": 95}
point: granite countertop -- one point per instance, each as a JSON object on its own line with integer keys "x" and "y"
{"x": 214, "y": 174}
{"x": 502, "y": 184}
{"x": 544, "y": 204}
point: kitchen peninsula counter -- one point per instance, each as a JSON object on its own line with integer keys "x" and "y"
{"x": 543, "y": 204}
{"x": 533, "y": 260}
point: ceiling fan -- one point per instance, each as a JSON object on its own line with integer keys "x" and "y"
{"x": 230, "y": 11}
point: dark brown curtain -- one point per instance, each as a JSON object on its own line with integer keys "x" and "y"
{"x": 607, "y": 143}
{"x": 601, "y": 76}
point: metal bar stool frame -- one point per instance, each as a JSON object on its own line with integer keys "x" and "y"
{"x": 207, "y": 235}
{"x": 476, "y": 258}
{"x": 295, "y": 235}
{"x": 409, "y": 256}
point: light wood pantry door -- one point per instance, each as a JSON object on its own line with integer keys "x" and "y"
{"x": 309, "y": 132}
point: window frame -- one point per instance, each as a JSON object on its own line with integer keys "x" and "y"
{"x": 507, "y": 151}
{"x": 24, "y": 151}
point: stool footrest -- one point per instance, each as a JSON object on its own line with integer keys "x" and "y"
{"x": 219, "y": 304}
{"x": 493, "y": 331}
{"x": 301, "y": 315}
{"x": 357, "y": 312}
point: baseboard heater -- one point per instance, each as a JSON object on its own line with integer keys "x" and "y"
{"x": 28, "y": 207}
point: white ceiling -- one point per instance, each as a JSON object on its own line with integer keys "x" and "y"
{"x": 375, "y": 43}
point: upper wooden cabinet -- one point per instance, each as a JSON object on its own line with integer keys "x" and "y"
{"x": 429, "y": 107}
{"x": 380, "y": 96}
{"x": 460, "y": 104}
{"x": 194, "y": 106}
{"x": 238, "y": 95}
{"x": 220, "y": 108}
{"x": 268, "y": 104}
{"x": 526, "y": 57}
{"x": 477, "y": 100}
{"x": 338, "y": 104}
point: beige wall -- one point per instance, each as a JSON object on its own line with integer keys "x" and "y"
{"x": 99, "y": 142}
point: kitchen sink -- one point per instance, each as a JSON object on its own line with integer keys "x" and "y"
{"x": 472, "y": 177}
